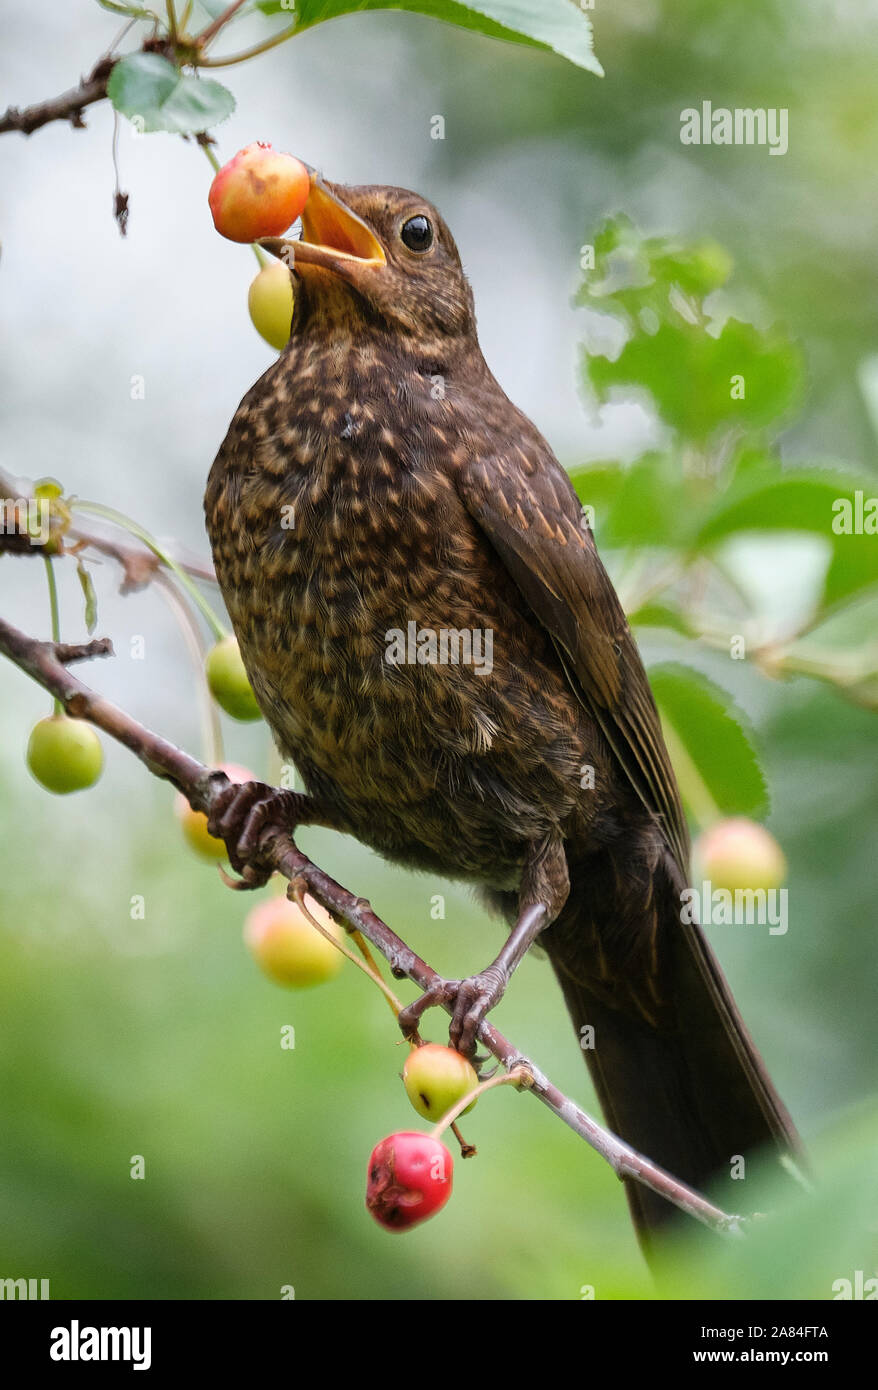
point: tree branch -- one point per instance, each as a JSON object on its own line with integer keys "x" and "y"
{"x": 44, "y": 663}
{"x": 69, "y": 106}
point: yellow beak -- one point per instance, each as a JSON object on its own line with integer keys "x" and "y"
{"x": 333, "y": 238}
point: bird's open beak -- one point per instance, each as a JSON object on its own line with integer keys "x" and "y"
{"x": 333, "y": 238}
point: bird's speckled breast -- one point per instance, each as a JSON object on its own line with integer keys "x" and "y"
{"x": 331, "y": 532}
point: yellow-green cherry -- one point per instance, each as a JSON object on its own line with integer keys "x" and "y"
{"x": 288, "y": 948}
{"x": 270, "y": 301}
{"x": 436, "y": 1078}
{"x": 228, "y": 680}
{"x": 64, "y": 754}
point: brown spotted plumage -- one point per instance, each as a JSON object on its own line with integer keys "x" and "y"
{"x": 377, "y": 477}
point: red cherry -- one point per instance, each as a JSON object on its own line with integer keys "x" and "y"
{"x": 258, "y": 193}
{"x": 409, "y": 1179}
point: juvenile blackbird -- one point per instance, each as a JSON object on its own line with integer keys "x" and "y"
{"x": 377, "y": 488}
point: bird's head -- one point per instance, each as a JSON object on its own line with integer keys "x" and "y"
{"x": 386, "y": 251}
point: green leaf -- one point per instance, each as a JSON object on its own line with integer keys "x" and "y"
{"x": 697, "y": 269}
{"x": 696, "y": 380}
{"x": 853, "y": 567}
{"x": 701, "y": 377}
{"x": 652, "y": 502}
{"x": 820, "y": 501}
{"x": 632, "y": 273}
{"x": 597, "y": 486}
{"x": 91, "y": 600}
{"x": 661, "y": 615}
{"x": 148, "y": 87}
{"x": 653, "y": 506}
{"x": 558, "y": 26}
{"x": 789, "y": 500}
{"x": 712, "y": 752}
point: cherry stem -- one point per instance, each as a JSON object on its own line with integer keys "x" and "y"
{"x": 127, "y": 524}
{"x": 55, "y": 616}
{"x": 466, "y": 1150}
{"x": 250, "y": 52}
{"x": 362, "y": 946}
{"x": 296, "y": 892}
{"x": 211, "y": 157}
{"x": 518, "y": 1076}
{"x": 211, "y": 729}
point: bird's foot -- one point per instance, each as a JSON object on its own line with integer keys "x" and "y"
{"x": 470, "y": 1001}
{"x": 239, "y": 814}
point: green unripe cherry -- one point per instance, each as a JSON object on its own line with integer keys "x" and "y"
{"x": 436, "y": 1078}
{"x": 228, "y": 682}
{"x": 270, "y": 301}
{"x": 64, "y": 755}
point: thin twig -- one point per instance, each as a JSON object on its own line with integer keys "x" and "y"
{"x": 211, "y": 727}
{"x": 69, "y": 106}
{"x": 200, "y": 785}
{"x": 253, "y": 52}
{"x": 221, "y": 20}
{"x": 120, "y": 198}
{"x": 139, "y": 566}
{"x": 68, "y": 652}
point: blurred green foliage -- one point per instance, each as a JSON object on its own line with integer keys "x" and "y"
{"x": 723, "y": 388}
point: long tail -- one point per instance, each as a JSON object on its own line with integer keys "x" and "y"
{"x": 692, "y": 1092}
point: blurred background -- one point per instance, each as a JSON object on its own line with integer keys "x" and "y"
{"x": 159, "y": 1037}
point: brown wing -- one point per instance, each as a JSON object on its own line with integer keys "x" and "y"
{"x": 688, "y": 1095}
{"x": 525, "y": 504}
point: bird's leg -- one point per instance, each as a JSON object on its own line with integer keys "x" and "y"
{"x": 545, "y": 885}
{"x": 241, "y": 811}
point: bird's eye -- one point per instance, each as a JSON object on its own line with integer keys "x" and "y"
{"x": 417, "y": 234}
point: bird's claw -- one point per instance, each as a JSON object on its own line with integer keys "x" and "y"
{"x": 442, "y": 992}
{"x": 470, "y": 1000}
{"x": 474, "y": 999}
{"x": 238, "y": 815}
